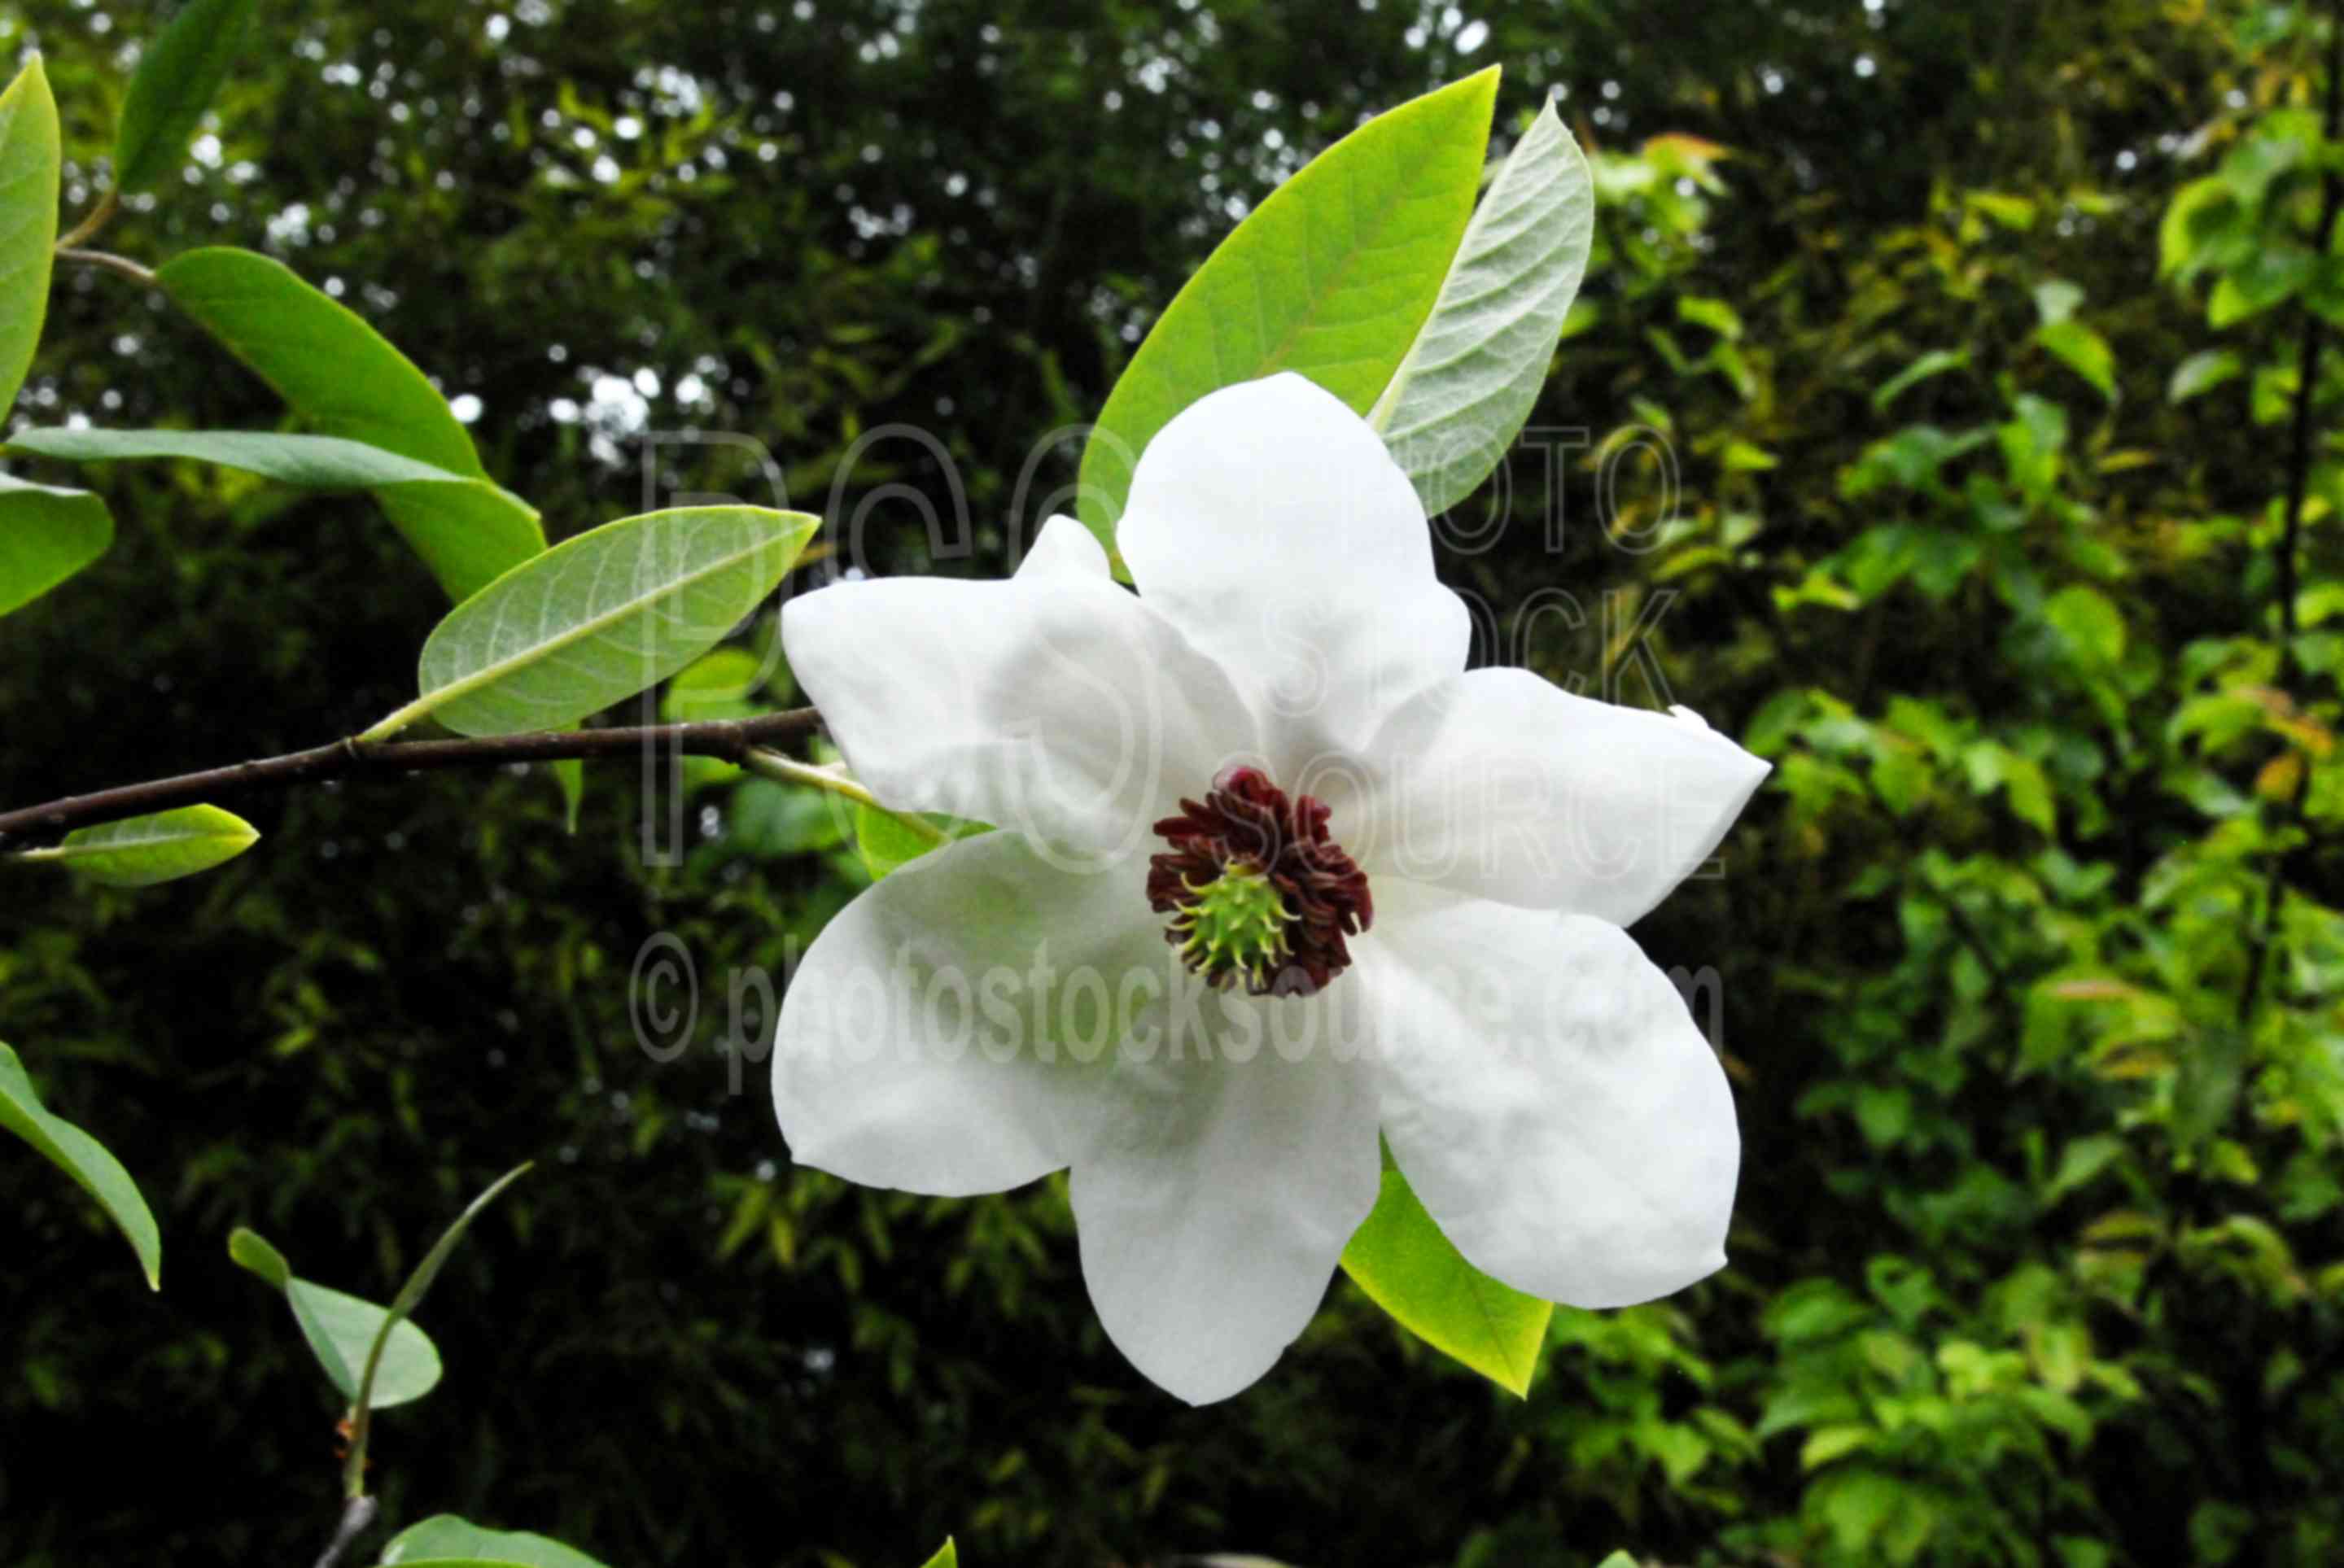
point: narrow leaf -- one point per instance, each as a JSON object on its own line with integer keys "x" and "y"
{"x": 1414, "y": 1272}
{"x": 46, "y": 535}
{"x": 314, "y": 462}
{"x": 419, "y": 1283}
{"x": 1332, "y": 276}
{"x": 947, "y": 1557}
{"x": 466, "y": 530}
{"x": 146, "y": 850}
{"x": 29, "y": 221}
{"x": 2083, "y": 351}
{"x": 1936, "y": 362}
{"x": 341, "y": 1329}
{"x": 84, "y": 1159}
{"x": 250, "y": 1250}
{"x": 444, "y": 1539}
{"x": 178, "y": 75}
{"x": 570, "y": 778}
{"x": 600, "y": 617}
{"x": 2202, "y": 372}
{"x": 1468, "y": 381}
{"x": 340, "y": 374}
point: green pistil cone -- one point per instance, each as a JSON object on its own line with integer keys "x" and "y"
{"x": 1236, "y": 926}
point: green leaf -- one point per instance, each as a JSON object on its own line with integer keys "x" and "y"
{"x": 1332, "y": 276}
{"x": 84, "y": 1159}
{"x": 947, "y": 1557}
{"x": 338, "y": 374}
{"x": 464, "y": 526}
{"x": 600, "y": 617}
{"x": 2199, "y": 213}
{"x": 1936, "y": 362}
{"x": 177, "y": 78}
{"x": 1413, "y": 1271}
{"x": 46, "y": 535}
{"x": 728, "y": 683}
{"x": 2056, "y": 301}
{"x": 2202, "y": 372}
{"x": 2091, "y": 626}
{"x": 2269, "y": 275}
{"x": 1468, "y": 383}
{"x": 763, "y": 818}
{"x": 570, "y": 778}
{"x": 314, "y": 462}
{"x": 29, "y": 221}
{"x": 445, "y": 1538}
{"x": 146, "y": 850}
{"x": 886, "y": 840}
{"x": 2083, "y": 351}
{"x": 341, "y": 1329}
{"x": 1619, "y": 1560}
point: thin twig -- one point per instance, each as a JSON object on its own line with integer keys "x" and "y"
{"x": 95, "y": 220}
{"x": 2291, "y": 539}
{"x": 732, "y": 740}
{"x": 111, "y": 262}
{"x": 790, "y": 770}
{"x": 357, "y": 1513}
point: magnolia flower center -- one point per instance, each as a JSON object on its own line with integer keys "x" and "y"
{"x": 1256, "y": 890}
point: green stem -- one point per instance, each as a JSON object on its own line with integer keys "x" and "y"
{"x": 410, "y": 1296}
{"x": 95, "y": 220}
{"x": 111, "y": 262}
{"x": 790, "y": 770}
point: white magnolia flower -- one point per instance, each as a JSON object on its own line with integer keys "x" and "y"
{"x": 1277, "y": 874}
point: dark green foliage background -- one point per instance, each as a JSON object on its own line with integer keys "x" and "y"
{"x": 2037, "y": 1255}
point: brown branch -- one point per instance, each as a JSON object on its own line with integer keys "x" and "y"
{"x": 729, "y": 739}
{"x": 357, "y": 1514}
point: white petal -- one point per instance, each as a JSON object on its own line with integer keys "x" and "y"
{"x": 1214, "y": 1210}
{"x": 1065, "y": 548}
{"x": 1267, "y": 521}
{"x": 1545, "y": 1090}
{"x": 925, "y": 1041}
{"x": 1501, "y": 785}
{"x": 1054, "y": 704}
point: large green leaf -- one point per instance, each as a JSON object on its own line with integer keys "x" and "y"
{"x": 177, "y": 78}
{"x": 338, "y": 374}
{"x": 341, "y": 1329}
{"x": 84, "y": 1159}
{"x": 600, "y": 617}
{"x": 947, "y": 1557}
{"x": 1414, "y": 1272}
{"x": 444, "y": 1539}
{"x": 1462, "y": 394}
{"x": 1332, "y": 276}
{"x": 46, "y": 535}
{"x": 323, "y": 359}
{"x": 29, "y": 221}
{"x": 144, "y": 850}
{"x": 314, "y": 462}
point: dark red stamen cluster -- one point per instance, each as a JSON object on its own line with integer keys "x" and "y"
{"x": 1246, "y": 821}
